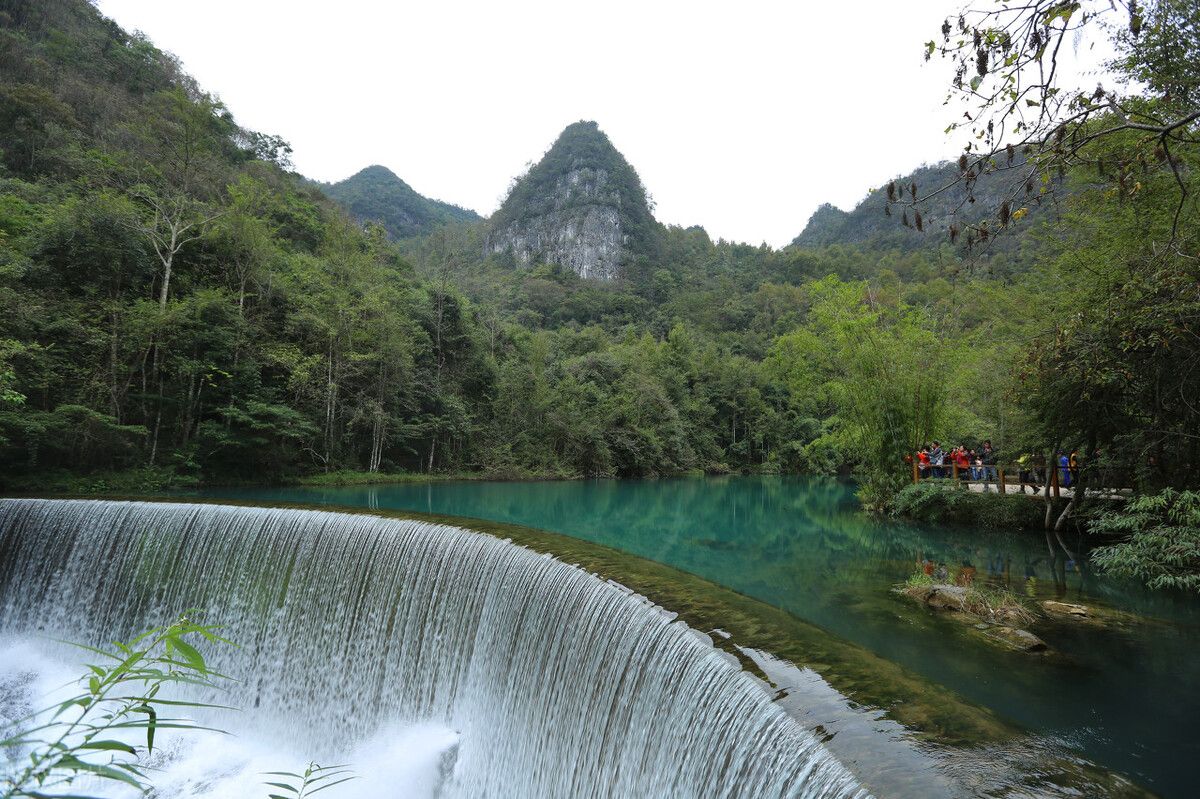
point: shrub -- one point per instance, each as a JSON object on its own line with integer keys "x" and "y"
{"x": 942, "y": 501}
{"x": 1161, "y": 545}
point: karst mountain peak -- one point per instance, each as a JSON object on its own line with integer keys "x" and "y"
{"x": 582, "y": 206}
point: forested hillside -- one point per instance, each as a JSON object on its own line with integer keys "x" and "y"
{"x": 174, "y": 300}
{"x": 376, "y": 194}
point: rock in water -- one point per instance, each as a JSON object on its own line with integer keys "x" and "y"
{"x": 582, "y": 207}
{"x": 1065, "y": 608}
{"x": 946, "y": 597}
{"x": 1018, "y": 639}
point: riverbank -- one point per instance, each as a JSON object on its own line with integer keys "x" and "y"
{"x": 152, "y": 479}
{"x": 947, "y": 502}
{"x": 355, "y": 478}
{"x": 158, "y": 479}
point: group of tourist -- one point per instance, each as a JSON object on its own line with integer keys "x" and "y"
{"x": 934, "y": 461}
{"x": 971, "y": 465}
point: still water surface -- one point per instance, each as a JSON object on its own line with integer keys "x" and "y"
{"x": 1125, "y": 695}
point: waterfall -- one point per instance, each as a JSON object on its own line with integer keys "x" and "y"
{"x": 551, "y": 681}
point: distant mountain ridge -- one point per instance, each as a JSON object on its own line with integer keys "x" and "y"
{"x": 376, "y": 194}
{"x": 582, "y": 206}
{"x": 868, "y": 224}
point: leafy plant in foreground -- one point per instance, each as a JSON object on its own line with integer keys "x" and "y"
{"x": 88, "y": 734}
{"x": 314, "y": 779}
{"x": 1161, "y": 545}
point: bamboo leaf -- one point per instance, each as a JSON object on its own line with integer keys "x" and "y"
{"x": 191, "y": 655}
{"x": 116, "y": 746}
{"x": 329, "y": 785}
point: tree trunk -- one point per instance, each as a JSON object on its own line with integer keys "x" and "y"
{"x": 1049, "y": 497}
{"x": 113, "y": 355}
{"x": 154, "y": 436}
{"x": 377, "y": 436}
{"x": 330, "y": 399}
{"x": 166, "y": 283}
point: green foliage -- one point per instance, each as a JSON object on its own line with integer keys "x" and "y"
{"x": 311, "y": 781}
{"x": 988, "y": 602}
{"x": 918, "y": 579}
{"x": 1161, "y": 545}
{"x": 999, "y": 603}
{"x": 275, "y": 340}
{"x": 942, "y": 502}
{"x": 86, "y": 735}
{"x": 1161, "y": 53}
{"x": 137, "y": 480}
{"x": 376, "y": 194}
{"x": 352, "y": 478}
{"x": 869, "y": 225}
{"x": 1116, "y": 372}
{"x": 871, "y": 366}
{"x": 122, "y": 699}
{"x": 278, "y": 341}
{"x": 9, "y": 396}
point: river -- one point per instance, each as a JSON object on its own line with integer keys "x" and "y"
{"x": 1124, "y": 695}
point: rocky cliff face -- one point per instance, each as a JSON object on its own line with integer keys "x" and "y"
{"x": 581, "y": 232}
{"x": 582, "y": 207}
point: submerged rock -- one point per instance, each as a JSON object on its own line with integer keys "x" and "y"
{"x": 1018, "y": 639}
{"x": 1066, "y": 609}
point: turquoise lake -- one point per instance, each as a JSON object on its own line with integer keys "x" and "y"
{"x": 1126, "y": 695}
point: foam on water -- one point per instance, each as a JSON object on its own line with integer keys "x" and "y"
{"x": 397, "y": 761}
{"x": 438, "y": 661}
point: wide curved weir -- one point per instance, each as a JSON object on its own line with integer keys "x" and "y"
{"x": 549, "y": 681}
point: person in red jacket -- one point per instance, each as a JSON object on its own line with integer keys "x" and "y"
{"x": 963, "y": 461}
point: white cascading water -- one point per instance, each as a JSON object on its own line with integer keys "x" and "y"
{"x": 439, "y": 661}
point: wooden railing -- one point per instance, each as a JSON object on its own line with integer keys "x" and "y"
{"x": 1003, "y": 475}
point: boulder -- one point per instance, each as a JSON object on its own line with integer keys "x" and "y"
{"x": 939, "y": 596}
{"x": 946, "y": 597}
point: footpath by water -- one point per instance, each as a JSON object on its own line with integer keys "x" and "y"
{"x": 1125, "y": 696}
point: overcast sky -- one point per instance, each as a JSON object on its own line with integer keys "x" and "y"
{"x": 741, "y": 117}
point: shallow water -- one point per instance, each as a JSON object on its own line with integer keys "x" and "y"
{"x": 1126, "y": 696}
